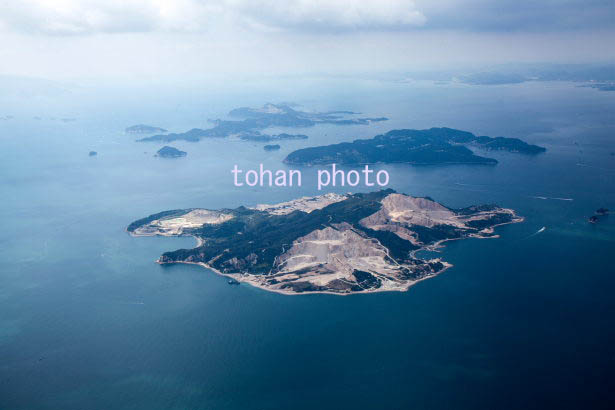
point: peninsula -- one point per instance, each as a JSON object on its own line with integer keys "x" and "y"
{"x": 339, "y": 244}
{"x": 419, "y": 147}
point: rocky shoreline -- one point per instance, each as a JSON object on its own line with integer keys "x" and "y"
{"x": 338, "y": 244}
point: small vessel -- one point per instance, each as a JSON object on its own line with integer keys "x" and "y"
{"x": 232, "y": 281}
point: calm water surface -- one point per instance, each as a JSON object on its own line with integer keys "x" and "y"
{"x": 89, "y": 321}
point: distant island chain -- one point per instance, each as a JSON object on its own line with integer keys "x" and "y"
{"x": 292, "y": 177}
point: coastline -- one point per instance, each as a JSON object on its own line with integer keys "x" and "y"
{"x": 253, "y": 281}
{"x": 242, "y": 279}
{"x": 438, "y": 245}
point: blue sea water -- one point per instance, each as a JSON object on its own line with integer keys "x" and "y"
{"x": 89, "y": 321}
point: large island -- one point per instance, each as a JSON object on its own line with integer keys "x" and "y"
{"x": 418, "y": 147}
{"x": 339, "y": 244}
{"x": 251, "y": 121}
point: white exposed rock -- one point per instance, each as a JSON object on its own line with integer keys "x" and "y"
{"x": 339, "y": 258}
{"x": 334, "y": 253}
{"x": 176, "y": 225}
{"x": 400, "y": 212}
{"x": 305, "y": 204}
{"x": 407, "y": 210}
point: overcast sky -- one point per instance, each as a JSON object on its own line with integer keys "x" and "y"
{"x": 199, "y": 38}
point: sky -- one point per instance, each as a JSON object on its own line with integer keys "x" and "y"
{"x": 191, "y": 39}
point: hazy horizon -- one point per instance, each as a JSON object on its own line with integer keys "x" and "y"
{"x": 192, "y": 40}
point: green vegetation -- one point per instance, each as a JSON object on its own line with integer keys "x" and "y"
{"x": 256, "y": 119}
{"x": 265, "y": 236}
{"x": 420, "y": 147}
{"x": 272, "y": 248}
{"x": 170, "y": 152}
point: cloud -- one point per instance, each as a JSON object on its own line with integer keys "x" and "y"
{"x": 83, "y": 17}
{"x": 330, "y": 15}
{"x": 518, "y": 15}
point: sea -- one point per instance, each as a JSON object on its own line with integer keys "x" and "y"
{"x": 88, "y": 320}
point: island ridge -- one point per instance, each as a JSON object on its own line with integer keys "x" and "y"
{"x": 339, "y": 244}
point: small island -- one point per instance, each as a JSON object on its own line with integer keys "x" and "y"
{"x": 338, "y": 244}
{"x": 418, "y": 147}
{"x": 274, "y": 147}
{"x": 600, "y": 213}
{"x": 609, "y": 86}
{"x": 143, "y": 129}
{"x": 170, "y": 152}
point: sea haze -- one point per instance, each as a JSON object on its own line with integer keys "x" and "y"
{"x": 90, "y": 321}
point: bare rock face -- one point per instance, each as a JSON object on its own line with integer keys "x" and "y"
{"x": 306, "y": 204}
{"x": 332, "y": 243}
{"x": 409, "y": 210}
{"x": 334, "y": 254}
{"x": 402, "y": 214}
{"x": 175, "y": 226}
